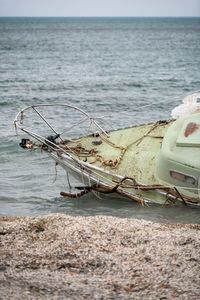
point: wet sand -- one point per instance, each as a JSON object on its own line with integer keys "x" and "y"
{"x": 64, "y": 257}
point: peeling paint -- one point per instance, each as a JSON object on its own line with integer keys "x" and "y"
{"x": 191, "y": 128}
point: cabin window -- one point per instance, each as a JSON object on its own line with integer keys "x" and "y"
{"x": 183, "y": 177}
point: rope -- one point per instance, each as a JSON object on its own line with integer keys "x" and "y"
{"x": 68, "y": 181}
{"x": 56, "y": 172}
{"x": 170, "y": 190}
{"x": 172, "y": 98}
{"x": 115, "y": 163}
{"x": 105, "y": 189}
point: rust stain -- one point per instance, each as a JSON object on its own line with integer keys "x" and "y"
{"x": 191, "y": 127}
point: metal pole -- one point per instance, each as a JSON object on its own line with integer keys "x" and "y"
{"x": 41, "y": 116}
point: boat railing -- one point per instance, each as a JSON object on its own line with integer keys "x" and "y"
{"x": 49, "y": 141}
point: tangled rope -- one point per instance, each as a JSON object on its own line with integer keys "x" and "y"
{"x": 101, "y": 188}
{"x": 115, "y": 163}
{"x": 132, "y": 183}
{"x": 110, "y": 162}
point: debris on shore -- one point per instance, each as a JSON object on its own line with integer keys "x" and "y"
{"x": 64, "y": 257}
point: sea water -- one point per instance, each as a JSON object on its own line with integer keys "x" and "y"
{"x": 132, "y": 70}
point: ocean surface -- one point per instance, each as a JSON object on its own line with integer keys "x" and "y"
{"x": 132, "y": 70}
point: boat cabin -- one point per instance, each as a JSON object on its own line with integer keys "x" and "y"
{"x": 178, "y": 163}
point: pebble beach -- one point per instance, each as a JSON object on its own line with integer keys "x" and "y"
{"x": 58, "y": 256}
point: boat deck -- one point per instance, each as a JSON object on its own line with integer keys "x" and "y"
{"x": 129, "y": 152}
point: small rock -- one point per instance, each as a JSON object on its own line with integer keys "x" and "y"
{"x": 2, "y": 268}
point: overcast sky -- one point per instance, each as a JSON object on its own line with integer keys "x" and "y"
{"x": 99, "y": 7}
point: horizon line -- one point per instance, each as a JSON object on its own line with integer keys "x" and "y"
{"x": 99, "y": 16}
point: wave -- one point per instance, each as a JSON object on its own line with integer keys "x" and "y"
{"x": 14, "y": 80}
{"x": 133, "y": 84}
{"x": 5, "y": 103}
{"x": 168, "y": 80}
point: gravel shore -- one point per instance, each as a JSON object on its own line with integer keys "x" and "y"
{"x": 63, "y": 257}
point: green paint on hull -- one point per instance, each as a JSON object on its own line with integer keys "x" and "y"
{"x": 139, "y": 159}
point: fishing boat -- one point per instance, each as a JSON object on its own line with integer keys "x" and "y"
{"x": 149, "y": 163}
